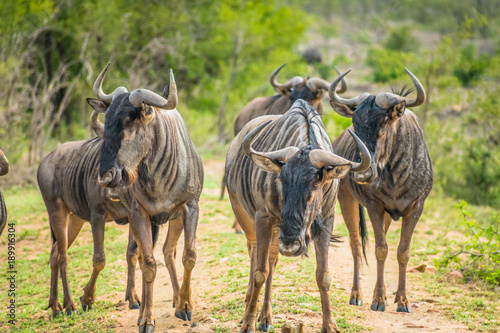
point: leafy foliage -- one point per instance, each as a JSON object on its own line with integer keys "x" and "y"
{"x": 479, "y": 255}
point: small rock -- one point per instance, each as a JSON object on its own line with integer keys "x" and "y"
{"x": 223, "y": 260}
{"x": 309, "y": 313}
{"x": 291, "y": 327}
{"x": 420, "y": 268}
{"x": 455, "y": 275}
{"x": 430, "y": 269}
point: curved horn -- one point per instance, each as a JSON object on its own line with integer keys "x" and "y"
{"x": 344, "y": 107}
{"x": 420, "y": 91}
{"x": 96, "y": 123}
{"x": 98, "y": 87}
{"x": 388, "y": 100}
{"x": 320, "y": 158}
{"x": 283, "y": 88}
{"x": 317, "y": 83}
{"x": 139, "y": 96}
{"x": 269, "y": 161}
{"x": 4, "y": 164}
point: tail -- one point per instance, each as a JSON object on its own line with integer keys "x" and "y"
{"x": 223, "y": 187}
{"x": 154, "y": 236}
{"x": 362, "y": 231}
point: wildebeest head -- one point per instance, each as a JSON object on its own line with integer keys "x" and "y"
{"x": 375, "y": 118}
{"x": 302, "y": 172}
{"x": 126, "y": 135}
{"x": 310, "y": 90}
{"x": 4, "y": 164}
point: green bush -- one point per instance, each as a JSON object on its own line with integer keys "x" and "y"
{"x": 388, "y": 64}
{"x": 402, "y": 39}
{"x": 471, "y": 65}
{"x": 479, "y": 254}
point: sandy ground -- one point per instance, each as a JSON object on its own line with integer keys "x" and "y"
{"x": 425, "y": 316}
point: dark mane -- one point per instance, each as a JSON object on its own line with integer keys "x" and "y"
{"x": 310, "y": 116}
{"x": 403, "y": 91}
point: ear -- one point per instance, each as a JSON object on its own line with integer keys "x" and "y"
{"x": 336, "y": 172}
{"x": 98, "y": 105}
{"x": 342, "y": 109}
{"x": 397, "y": 111}
{"x": 283, "y": 91}
{"x": 267, "y": 164}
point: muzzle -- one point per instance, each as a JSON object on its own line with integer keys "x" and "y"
{"x": 293, "y": 247}
{"x": 110, "y": 178}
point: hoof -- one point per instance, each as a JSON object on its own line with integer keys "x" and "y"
{"x": 239, "y": 232}
{"x": 56, "y": 314}
{"x": 85, "y": 307}
{"x": 406, "y": 309}
{"x": 135, "y": 306}
{"x": 355, "y": 301}
{"x": 146, "y": 328}
{"x": 139, "y": 322}
{"x": 184, "y": 315}
{"x": 71, "y": 312}
{"x": 378, "y": 307}
{"x": 264, "y": 327}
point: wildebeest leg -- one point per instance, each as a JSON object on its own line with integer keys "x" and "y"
{"x": 58, "y": 217}
{"x": 410, "y": 220}
{"x": 175, "y": 228}
{"x": 323, "y": 278}
{"x": 184, "y": 308}
{"x": 266, "y": 315}
{"x": 237, "y": 227}
{"x": 248, "y": 226}
{"x": 141, "y": 227}
{"x": 132, "y": 255}
{"x": 377, "y": 217}
{"x": 387, "y": 222}
{"x": 350, "y": 213}
{"x": 264, "y": 235}
{"x": 98, "y": 261}
{"x": 75, "y": 225}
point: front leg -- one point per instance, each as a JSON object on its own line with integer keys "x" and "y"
{"x": 266, "y": 315}
{"x": 134, "y": 302}
{"x": 377, "y": 217}
{"x": 264, "y": 235}
{"x": 141, "y": 227}
{"x": 184, "y": 308}
{"x": 408, "y": 226}
{"x": 323, "y": 278}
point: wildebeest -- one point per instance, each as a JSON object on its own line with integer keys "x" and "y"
{"x": 396, "y": 185}
{"x": 283, "y": 194}
{"x": 144, "y": 169}
{"x": 4, "y": 169}
{"x": 311, "y": 90}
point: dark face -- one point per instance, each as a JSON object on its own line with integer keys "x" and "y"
{"x": 368, "y": 119}
{"x": 302, "y": 197}
{"x": 301, "y": 91}
{"x": 126, "y": 141}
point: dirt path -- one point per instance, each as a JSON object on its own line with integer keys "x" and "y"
{"x": 425, "y": 316}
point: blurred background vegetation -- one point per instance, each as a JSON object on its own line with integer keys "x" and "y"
{"x": 222, "y": 53}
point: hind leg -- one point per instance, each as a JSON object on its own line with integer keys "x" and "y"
{"x": 175, "y": 228}
{"x": 58, "y": 217}
{"x": 248, "y": 226}
{"x": 98, "y": 262}
{"x": 134, "y": 302}
{"x": 350, "y": 213}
